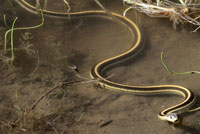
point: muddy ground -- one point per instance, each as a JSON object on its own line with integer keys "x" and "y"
{"x": 84, "y": 108}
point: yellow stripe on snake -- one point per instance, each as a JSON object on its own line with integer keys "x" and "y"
{"x": 169, "y": 114}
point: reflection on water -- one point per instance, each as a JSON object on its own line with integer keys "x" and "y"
{"x": 84, "y": 42}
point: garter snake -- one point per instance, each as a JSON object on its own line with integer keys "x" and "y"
{"x": 169, "y": 114}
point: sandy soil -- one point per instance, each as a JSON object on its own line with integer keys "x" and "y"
{"x": 84, "y": 108}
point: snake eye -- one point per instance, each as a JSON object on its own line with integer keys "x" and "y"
{"x": 173, "y": 118}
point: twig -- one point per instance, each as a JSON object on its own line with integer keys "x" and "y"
{"x": 52, "y": 89}
{"x": 45, "y": 4}
{"x": 68, "y": 8}
{"x": 37, "y": 6}
{"x": 45, "y": 94}
{"x": 60, "y": 84}
{"x": 12, "y": 6}
{"x": 110, "y": 14}
{"x": 124, "y": 13}
{"x": 5, "y": 22}
{"x": 178, "y": 13}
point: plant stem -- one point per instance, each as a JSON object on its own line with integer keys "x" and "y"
{"x": 170, "y": 71}
{"x": 22, "y": 28}
{"x": 12, "y": 48}
{"x": 5, "y": 22}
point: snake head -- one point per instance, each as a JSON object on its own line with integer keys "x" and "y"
{"x": 173, "y": 118}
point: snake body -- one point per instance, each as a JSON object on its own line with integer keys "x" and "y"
{"x": 169, "y": 114}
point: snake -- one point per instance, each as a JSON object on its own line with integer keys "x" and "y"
{"x": 170, "y": 114}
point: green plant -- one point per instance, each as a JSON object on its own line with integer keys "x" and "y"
{"x": 25, "y": 45}
{"x": 5, "y": 59}
{"x": 12, "y": 48}
{"x": 173, "y": 72}
{"x": 23, "y": 28}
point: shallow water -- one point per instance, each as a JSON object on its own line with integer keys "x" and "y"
{"x": 84, "y": 108}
